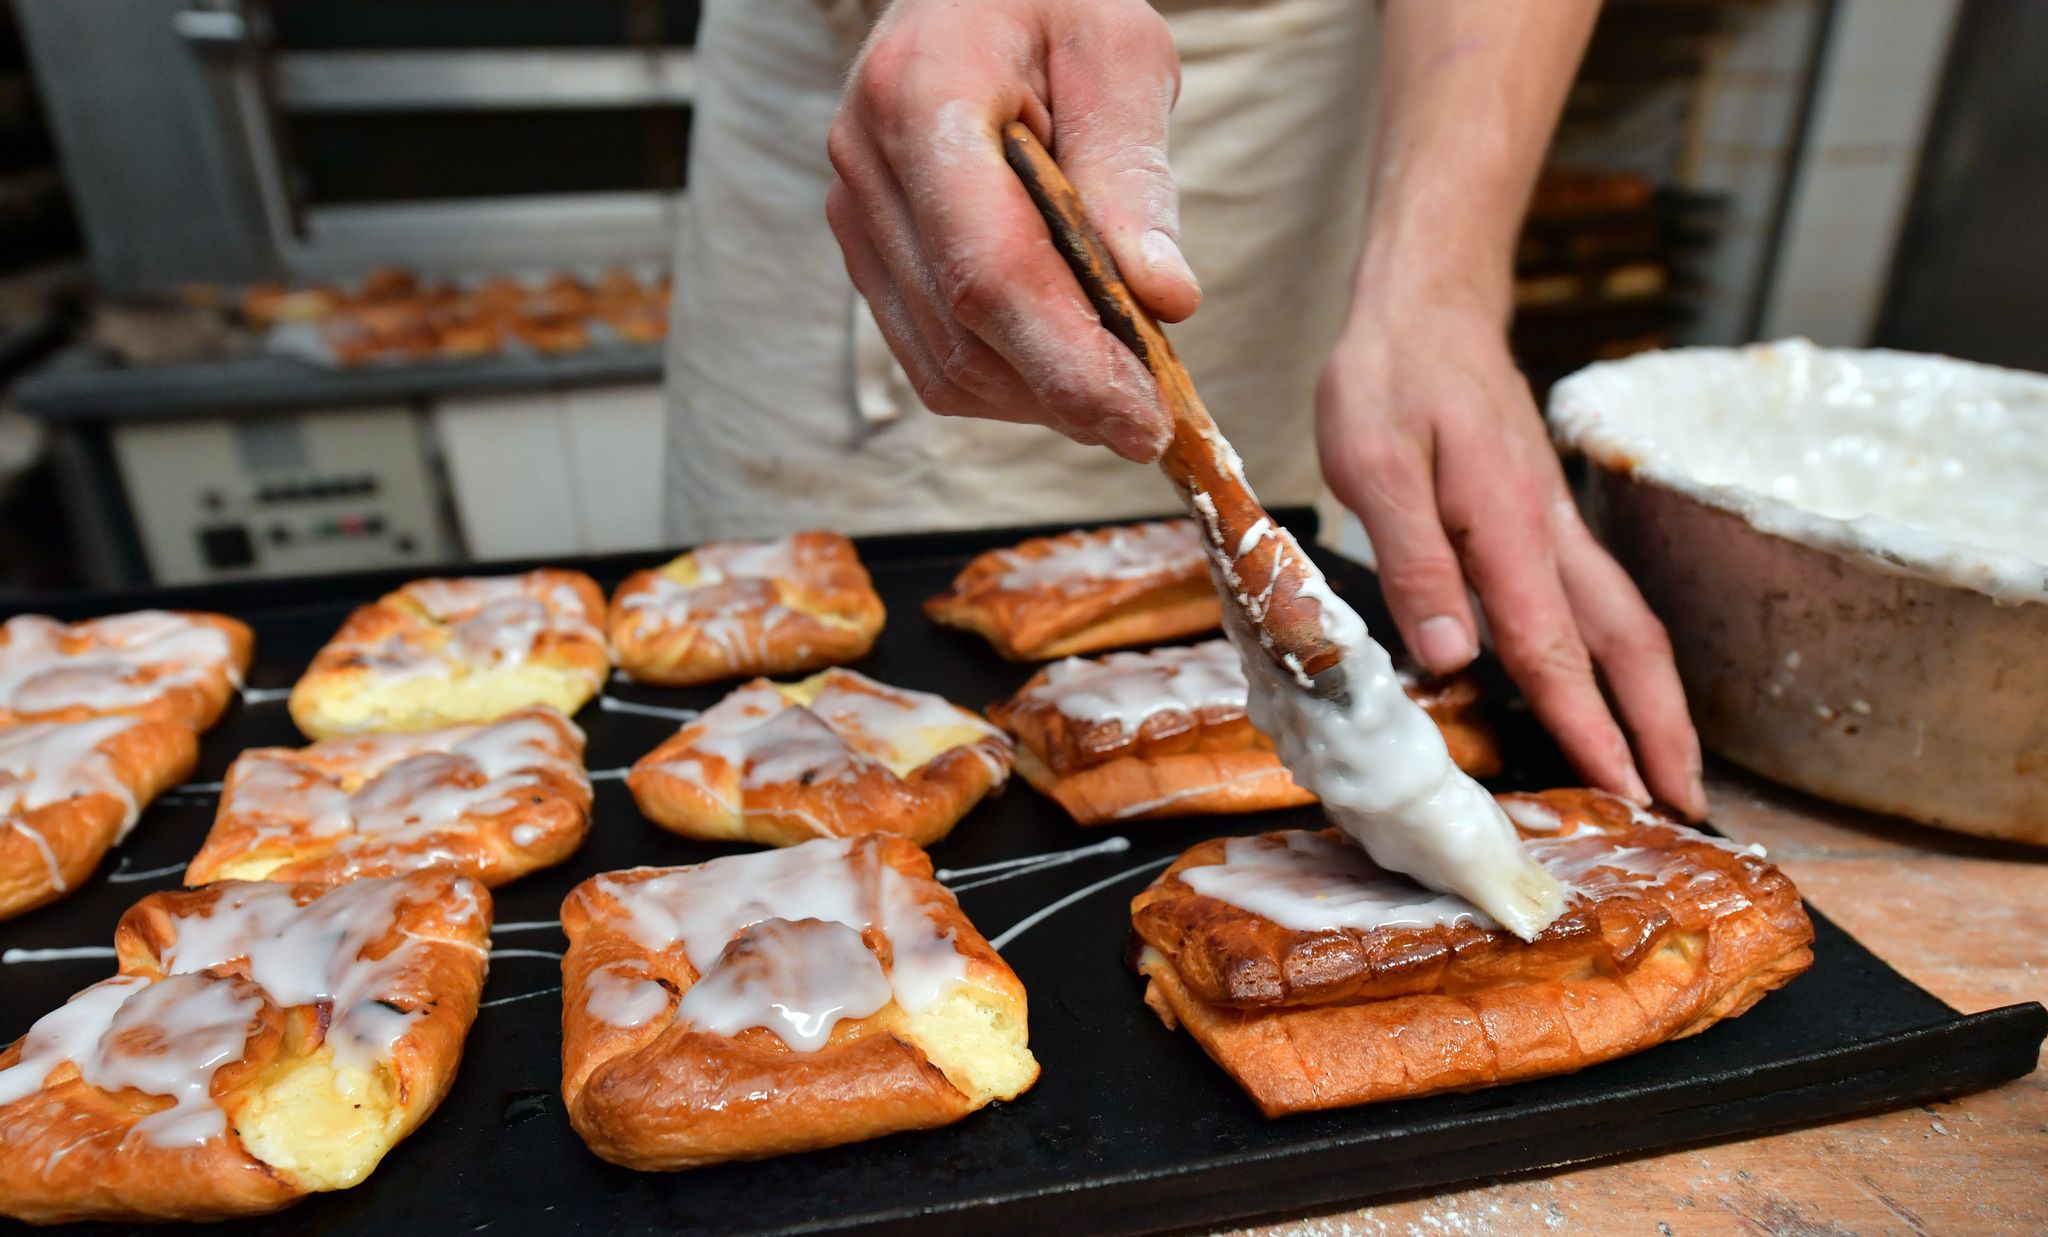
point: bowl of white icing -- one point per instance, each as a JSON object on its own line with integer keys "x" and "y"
{"x": 1847, "y": 548}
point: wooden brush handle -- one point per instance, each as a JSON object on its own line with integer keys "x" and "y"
{"x": 1268, "y": 566}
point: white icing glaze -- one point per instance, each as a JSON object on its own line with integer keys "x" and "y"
{"x": 1132, "y": 552}
{"x": 1916, "y": 464}
{"x": 170, "y": 1037}
{"x": 851, "y": 725}
{"x": 1378, "y": 763}
{"x": 1309, "y": 882}
{"x": 834, "y": 880}
{"x": 622, "y": 995}
{"x": 409, "y": 785}
{"x": 798, "y": 978}
{"x": 492, "y": 621}
{"x": 42, "y": 763}
{"x": 735, "y": 581}
{"x": 1128, "y": 688}
{"x": 128, "y": 660}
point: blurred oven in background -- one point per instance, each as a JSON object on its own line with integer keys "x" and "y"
{"x": 221, "y": 145}
{"x": 1725, "y": 170}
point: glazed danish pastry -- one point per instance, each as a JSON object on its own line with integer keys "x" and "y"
{"x": 1138, "y": 736}
{"x": 1083, "y": 591}
{"x": 834, "y": 755}
{"x": 259, "y": 1042}
{"x": 1318, "y": 980}
{"x": 494, "y": 800}
{"x": 70, "y": 790}
{"x": 443, "y": 652}
{"x": 739, "y": 608}
{"x": 171, "y": 666}
{"x": 780, "y": 1001}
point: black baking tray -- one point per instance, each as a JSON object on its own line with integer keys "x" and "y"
{"x": 1130, "y": 1128}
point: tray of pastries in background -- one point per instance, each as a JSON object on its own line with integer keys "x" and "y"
{"x": 693, "y": 892}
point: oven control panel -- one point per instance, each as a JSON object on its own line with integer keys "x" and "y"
{"x": 284, "y": 494}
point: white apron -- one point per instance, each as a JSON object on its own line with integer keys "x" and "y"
{"x": 786, "y": 410}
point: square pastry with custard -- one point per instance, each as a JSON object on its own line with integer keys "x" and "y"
{"x": 166, "y": 665}
{"x": 1319, "y": 980}
{"x": 1083, "y": 591}
{"x": 493, "y": 800}
{"x": 734, "y": 609}
{"x": 258, "y": 1043}
{"x": 1140, "y": 736}
{"x": 835, "y": 755}
{"x": 444, "y": 652}
{"x": 780, "y": 1001}
{"x": 70, "y": 790}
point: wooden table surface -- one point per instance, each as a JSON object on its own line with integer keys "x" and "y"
{"x": 1963, "y": 918}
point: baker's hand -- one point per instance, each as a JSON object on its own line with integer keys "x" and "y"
{"x": 1428, "y": 432}
{"x": 949, "y": 251}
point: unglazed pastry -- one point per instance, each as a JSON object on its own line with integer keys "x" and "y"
{"x": 834, "y": 755}
{"x": 70, "y": 790}
{"x": 166, "y": 665}
{"x": 733, "y": 609}
{"x": 1317, "y": 979}
{"x": 1080, "y": 592}
{"x": 780, "y": 1001}
{"x": 493, "y": 800}
{"x": 1137, "y": 736}
{"x": 441, "y": 652}
{"x": 260, "y": 1042}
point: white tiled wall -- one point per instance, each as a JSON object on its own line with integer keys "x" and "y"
{"x": 1877, "y": 86}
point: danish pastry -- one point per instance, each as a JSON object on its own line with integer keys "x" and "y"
{"x": 738, "y": 608}
{"x": 1317, "y": 980}
{"x": 70, "y": 790}
{"x": 834, "y": 755}
{"x": 443, "y": 652}
{"x": 1083, "y": 591}
{"x": 1137, "y": 736}
{"x": 259, "y": 1042}
{"x": 493, "y": 800}
{"x": 168, "y": 665}
{"x": 780, "y": 1001}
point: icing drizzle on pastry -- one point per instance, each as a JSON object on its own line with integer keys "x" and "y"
{"x": 492, "y": 621}
{"x": 1130, "y": 552}
{"x": 829, "y": 728}
{"x": 122, "y": 661}
{"x": 42, "y": 763}
{"x": 773, "y": 937}
{"x": 732, "y": 592}
{"x": 1311, "y": 882}
{"x": 1129, "y": 688}
{"x": 171, "y": 1036}
{"x": 395, "y": 789}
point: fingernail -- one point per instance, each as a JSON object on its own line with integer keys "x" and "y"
{"x": 1696, "y": 787}
{"x": 1139, "y": 441}
{"x": 1165, "y": 258}
{"x": 1443, "y": 644}
{"x": 1634, "y": 787}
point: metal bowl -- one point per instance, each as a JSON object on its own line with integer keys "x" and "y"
{"x": 1871, "y": 681}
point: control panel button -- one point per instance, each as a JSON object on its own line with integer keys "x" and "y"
{"x": 227, "y": 546}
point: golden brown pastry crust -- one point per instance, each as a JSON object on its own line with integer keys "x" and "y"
{"x": 129, "y": 664}
{"x": 1209, "y": 760}
{"x": 69, "y": 1150}
{"x": 338, "y": 810}
{"x": 833, "y": 774}
{"x": 1129, "y": 584}
{"x": 1313, "y": 1020}
{"x": 438, "y": 653}
{"x": 663, "y": 1095}
{"x": 48, "y": 850}
{"x": 769, "y": 608}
